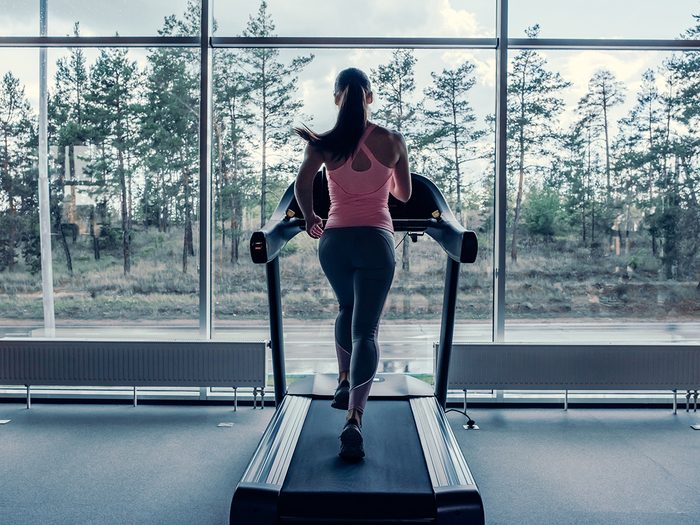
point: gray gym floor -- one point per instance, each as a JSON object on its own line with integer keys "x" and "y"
{"x": 115, "y": 464}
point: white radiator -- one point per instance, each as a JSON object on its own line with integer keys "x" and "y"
{"x": 503, "y": 366}
{"x": 132, "y": 363}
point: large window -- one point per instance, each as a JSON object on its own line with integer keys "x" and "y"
{"x": 634, "y": 19}
{"x": 21, "y": 17}
{"x": 360, "y": 18}
{"x": 601, "y": 175}
{"x": 123, "y": 183}
{"x": 299, "y": 89}
{"x": 20, "y": 290}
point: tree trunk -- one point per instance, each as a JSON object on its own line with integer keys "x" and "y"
{"x": 521, "y": 167}
{"x": 126, "y": 233}
{"x": 93, "y": 235}
{"x": 72, "y": 209}
{"x": 162, "y": 219}
{"x": 126, "y": 219}
{"x": 592, "y": 223}
{"x": 670, "y": 228}
{"x": 590, "y": 195}
{"x": 6, "y": 179}
{"x": 220, "y": 184}
{"x": 608, "y": 186}
{"x": 455, "y": 144}
{"x": 58, "y": 222}
{"x": 518, "y": 205}
{"x": 187, "y": 245}
{"x": 64, "y": 241}
{"x": 236, "y": 218}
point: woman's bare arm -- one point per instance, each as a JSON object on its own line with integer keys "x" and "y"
{"x": 401, "y": 181}
{"x": 304, "y": 189}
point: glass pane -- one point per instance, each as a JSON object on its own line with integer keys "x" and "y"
{"x": 603, "y": 180}
{"x": 21, "y": 17}
{"x": 123, "y": 147}
{"x": 411, "y": 318}
{"x": 455, "y": 18}
{"x": 117, "y": 16}
{"x": 20, "y": 266}
{"x": 603, "y": 19}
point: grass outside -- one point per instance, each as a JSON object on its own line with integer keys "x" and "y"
{"x": 556, "y": 279}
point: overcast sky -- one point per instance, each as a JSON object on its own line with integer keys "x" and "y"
{"x": 467, "y": 18}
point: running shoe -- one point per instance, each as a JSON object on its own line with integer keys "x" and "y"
{"x": 351, "y": 448}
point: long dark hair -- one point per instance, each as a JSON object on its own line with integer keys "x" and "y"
{"x": 353, "y": 87}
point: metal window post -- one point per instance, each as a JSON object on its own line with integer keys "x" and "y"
{"x": 500, "y": 181}
{"x": 205, "y": 212}
{"x": 44, "y": 193}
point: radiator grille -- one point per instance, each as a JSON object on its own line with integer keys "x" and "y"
{"x": 132, "y": 363}
{"x": 584, "y": 367}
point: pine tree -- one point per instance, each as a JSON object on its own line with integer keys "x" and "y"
{"x": 111, "y": 105}
{"x": 273, "y": 89}
{"x": 169, "y": 130}
{"x": 576, "y": 183}
{"x": 639, "y": 148}
{"x": 233, "y": 116}
{"x": 394, "y": 84}
{"x": 677, "y": 219}
{"x": 589, "y": 134}
{"x": 534, "y": 101}
{"x": 17, "y": 134}
{"x": 452, "y": 124}
{"x": 69, "y": 128}
{"x": 604, "y": 93}
{"x": 686, "y": 66}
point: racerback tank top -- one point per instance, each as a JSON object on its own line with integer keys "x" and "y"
{"x": 360, "y": 198}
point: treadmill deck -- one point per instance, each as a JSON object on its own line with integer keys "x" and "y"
{"x": 392, "y": 481}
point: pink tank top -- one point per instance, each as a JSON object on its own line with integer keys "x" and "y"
{"x": 360, "y": 198}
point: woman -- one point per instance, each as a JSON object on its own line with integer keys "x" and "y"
{"x": 365, "y": 163}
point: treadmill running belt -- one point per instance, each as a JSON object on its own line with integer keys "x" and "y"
{"x": 392, "y": 481}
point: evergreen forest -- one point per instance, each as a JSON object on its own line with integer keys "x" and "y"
{"x": 603, "y": 217}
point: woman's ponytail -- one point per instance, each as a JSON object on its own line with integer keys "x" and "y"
{"x": 352, "y": 87}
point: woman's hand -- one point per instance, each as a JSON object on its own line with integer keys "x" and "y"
{"x": 314, "y": 226}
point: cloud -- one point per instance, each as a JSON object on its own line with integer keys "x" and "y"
{"x": 459, "y": 22}
{"x": 627, "y": 67}
{"x": 485, "y": 67}
{"x": 578, "y": 67}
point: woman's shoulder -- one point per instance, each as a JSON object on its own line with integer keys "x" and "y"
{"x": 386, "y": 134}
{"x": 381, "y": 130}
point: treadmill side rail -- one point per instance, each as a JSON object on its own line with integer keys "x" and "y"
{"x": 254, "y": 503}
{"x": 456, "y": 496}
{"x": 459, "y": 506}
{"x": 257, "y": 494}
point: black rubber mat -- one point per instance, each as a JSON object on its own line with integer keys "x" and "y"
{"x": 392, "y": 481}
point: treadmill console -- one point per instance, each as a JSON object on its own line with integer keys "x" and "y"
{"x": 426, "y": 211}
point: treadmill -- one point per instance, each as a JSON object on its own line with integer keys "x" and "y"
{"x": 414, "y": 471}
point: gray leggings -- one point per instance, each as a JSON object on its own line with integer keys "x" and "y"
{"x": 359, "y": 263}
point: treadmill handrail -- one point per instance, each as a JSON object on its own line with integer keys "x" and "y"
{"x": 267, "y": 242}
{"x": 459, "y": 243}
